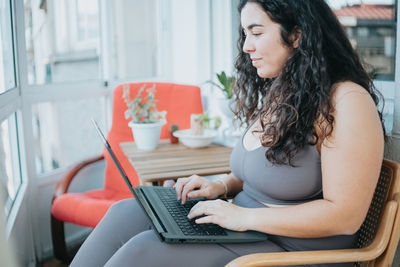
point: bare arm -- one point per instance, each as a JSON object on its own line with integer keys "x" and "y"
{"x": 233, "y": 184}
{"x": 350, "y": 160}
{"x": 196, "y": 186}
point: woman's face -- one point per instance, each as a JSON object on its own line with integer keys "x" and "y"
{"x": 263, "y": 41}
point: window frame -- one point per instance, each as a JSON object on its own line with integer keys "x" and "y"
{"x": 103, "y": 86}
{"x": 15, "y": 159}
{"x": 388, "y": 88}
{"x": 81, "y": 44}
{"x": 10, "y": 105}
{"x": 12, "y": 29}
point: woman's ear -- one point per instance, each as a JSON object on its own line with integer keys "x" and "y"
{"x": 296, "y": 37}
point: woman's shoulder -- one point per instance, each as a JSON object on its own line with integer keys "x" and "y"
{"x": 354, "y": 112}
{"x": 347, "y": 92}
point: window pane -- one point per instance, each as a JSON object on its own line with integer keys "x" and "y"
{"x": 10, "y": 174}
{"x": 87, "y": 20}
{"x": 62, "y": 39}
{"x": 64, "y": 134}
{"x": 135, "y": 40}
{"x": 371, "y": 27}
{"x": 7, "y": 68}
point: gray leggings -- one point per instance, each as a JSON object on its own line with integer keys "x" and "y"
{"x": 124, "y": 238}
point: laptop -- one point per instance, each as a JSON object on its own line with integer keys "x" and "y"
{"x": 169, "y": 217}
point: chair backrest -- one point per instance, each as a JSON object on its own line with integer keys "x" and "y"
{"x": 388, "y": 188}
{"x": 178, "y": 100}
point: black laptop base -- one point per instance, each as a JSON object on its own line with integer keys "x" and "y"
{"x": 164, "y": 220}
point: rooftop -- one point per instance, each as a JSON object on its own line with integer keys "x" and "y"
{"x": 365, "y": 11}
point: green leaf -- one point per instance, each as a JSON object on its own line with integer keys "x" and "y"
{"x": 223, "y": 74}
{"x": 215, "y": 84}
{"x": 220, "y": 79}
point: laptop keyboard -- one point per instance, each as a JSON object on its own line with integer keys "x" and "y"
{"x": 179, "y": 212}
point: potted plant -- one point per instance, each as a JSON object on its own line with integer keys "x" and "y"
{"x": 225, "y": 84}
{"x": 146, "y": 120}
{"x": 173, "y": 139}
{"x": 202, "y": 132}
{"x": 206, "y": 121}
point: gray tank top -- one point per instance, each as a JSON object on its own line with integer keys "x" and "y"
{"x": 278, "y": 184}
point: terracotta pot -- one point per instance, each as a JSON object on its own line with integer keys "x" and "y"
{"x": 173, "y": 139}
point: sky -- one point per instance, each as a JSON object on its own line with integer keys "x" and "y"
{"x": 338, "y": 3}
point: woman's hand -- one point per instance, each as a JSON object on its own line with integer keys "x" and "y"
{"x": 223, "y": 213}
{"x": 196, "y": 186}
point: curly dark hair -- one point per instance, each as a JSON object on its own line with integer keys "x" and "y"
{"x": 301, "y": 93}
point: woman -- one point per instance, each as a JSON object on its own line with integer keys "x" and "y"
{"x": 304, "y": 171}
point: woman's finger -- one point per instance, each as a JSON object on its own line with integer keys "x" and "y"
{"x": 169, "y": 183}
{"x": 203, "y": 208}
{"x": 190, "y": 185}
{"x": 207, "y": 219}
{"x": 179, "y": 186}
{"x": 202, "y": 192}
{"x": 196, "y": 210}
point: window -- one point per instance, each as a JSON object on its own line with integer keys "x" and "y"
{"x": 62, "y": 44}
{"x": 87, "y": 20}
{"x": 63, "y": 132}
{"x": 62, "y": 41}
{"x": 135, "y": 41}
{"x": 7, "y": 67}
{"x": 362, "y": 32}
{"x": 349, "y": 32}
{"x": 10, "y": 171}
{"x": 372, "y": 31}
{"x": 371, "y": 27}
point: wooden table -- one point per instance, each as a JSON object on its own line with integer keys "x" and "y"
{"x": 172, "y": 161}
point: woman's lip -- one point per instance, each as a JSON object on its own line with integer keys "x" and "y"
{"x": 255, "y": 60}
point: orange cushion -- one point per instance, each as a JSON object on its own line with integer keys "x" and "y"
{"x": 85, "y": 209}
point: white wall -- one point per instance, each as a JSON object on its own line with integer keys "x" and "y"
{"x": 7, "y": 253}
{"x": 19, "y": 232}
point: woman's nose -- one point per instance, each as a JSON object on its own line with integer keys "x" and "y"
{"x": 248, "y": 46}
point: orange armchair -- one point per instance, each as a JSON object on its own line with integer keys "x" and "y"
{"x": 88, "y": 208}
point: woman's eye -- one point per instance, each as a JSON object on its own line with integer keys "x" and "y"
{"x": 256, "y": 34}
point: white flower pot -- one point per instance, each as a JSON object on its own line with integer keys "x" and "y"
{"x": 225, "y": 106}
{"x": 232, "y": 132}
{"x": 146, "y": 135}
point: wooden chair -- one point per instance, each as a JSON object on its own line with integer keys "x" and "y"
{"x": 379, "y": 234}
{"x": 88, "y": 208}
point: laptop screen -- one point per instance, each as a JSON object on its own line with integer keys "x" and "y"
{"x": 114, "y": 158}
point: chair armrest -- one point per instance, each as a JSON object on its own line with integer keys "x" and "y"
{"x": 63, "y": 185}
{"x": 375, "y": 249}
